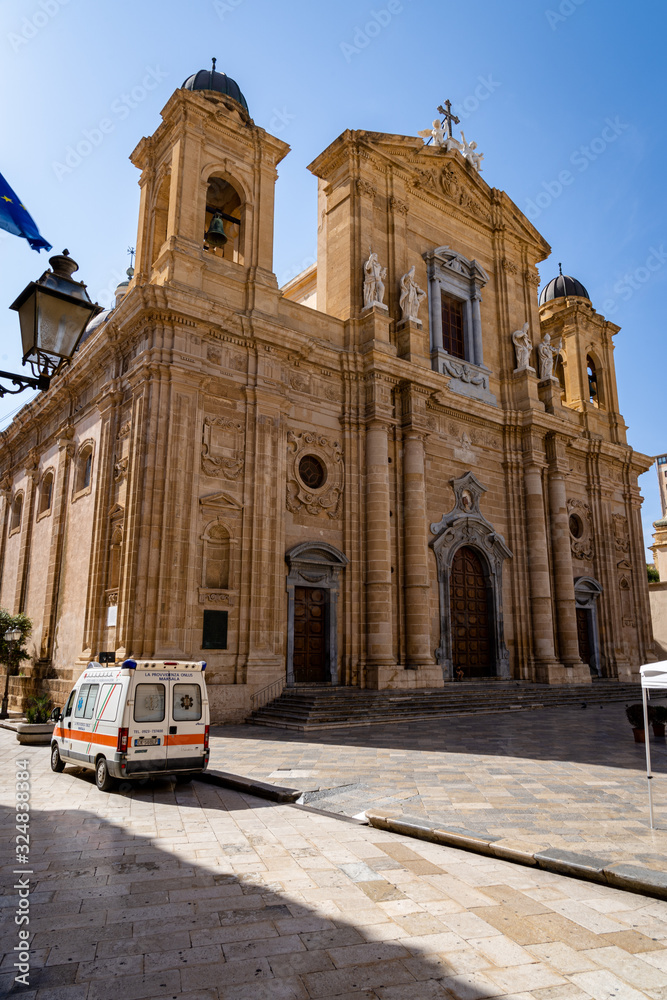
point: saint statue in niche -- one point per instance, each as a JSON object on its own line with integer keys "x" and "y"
{"x": 412, "y": 296}
{"x": 523, "y": 345}
{"x": 374, "y": 275}
{"x": 547, "y": 352}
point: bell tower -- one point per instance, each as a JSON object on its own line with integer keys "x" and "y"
{"x": 207, "y": 190}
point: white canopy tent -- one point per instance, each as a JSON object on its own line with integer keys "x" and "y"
{"x": 654, "y": 676}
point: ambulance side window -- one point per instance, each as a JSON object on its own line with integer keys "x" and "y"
{"x": 109, "y": 699}
{"x": 86, "y": 701}
{"x": 149, "y": 703}
{"x": 70, "y": 705}
{"x": 187, "y": 703}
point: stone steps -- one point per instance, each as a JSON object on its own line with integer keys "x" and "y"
{"x": 304, "y": 708}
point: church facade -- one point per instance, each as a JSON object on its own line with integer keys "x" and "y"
{"x": 399, "y": 471}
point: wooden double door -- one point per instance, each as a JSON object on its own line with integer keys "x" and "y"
{"x": 310, "y": 651}
{"x": 471, "y": 623}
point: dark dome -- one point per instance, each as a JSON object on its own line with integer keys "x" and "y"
{"x": 209, "y": 79}
{"x": 560, "y": 286}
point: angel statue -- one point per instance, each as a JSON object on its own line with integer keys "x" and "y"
{"x": 468, "y": 151}
{"x": 374, "y": 275}
{"x": 439, "y": 136}
{"x": 523, "y": 345}
{"x": 411, "y": 297}
{"x": 437, "y": 133}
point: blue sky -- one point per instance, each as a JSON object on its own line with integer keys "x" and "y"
{"x": 565, "y": 85}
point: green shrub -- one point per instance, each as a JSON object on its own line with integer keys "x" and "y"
{"x": 38, "y": 709}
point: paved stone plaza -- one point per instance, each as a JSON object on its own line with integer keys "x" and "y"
{"x": 202, "y": 893}
{"x": 566, "y": 778}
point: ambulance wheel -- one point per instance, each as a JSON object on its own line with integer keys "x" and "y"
{"x": 56, "y": 763}
{"x": 103, "y": 779}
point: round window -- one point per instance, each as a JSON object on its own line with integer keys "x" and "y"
{"x": 576, "y": 526}
{"x": 312, "y": 472}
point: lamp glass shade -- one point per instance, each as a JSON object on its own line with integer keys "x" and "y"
{"x": 12, "y": 635}
{"x": 52, "y": 323}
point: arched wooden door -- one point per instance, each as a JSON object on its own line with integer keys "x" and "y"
{"x": 472, "y": 651}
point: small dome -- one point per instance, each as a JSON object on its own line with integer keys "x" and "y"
{"x": 209, "y": 79}
{"x": 561, "y": 286}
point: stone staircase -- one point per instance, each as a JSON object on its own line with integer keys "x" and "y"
{"x": 309, "y": 707}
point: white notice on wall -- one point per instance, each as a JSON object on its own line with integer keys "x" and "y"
{"x": 112, "y": 614}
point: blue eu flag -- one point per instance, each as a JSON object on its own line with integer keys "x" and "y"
{"x": 16, "y": 219}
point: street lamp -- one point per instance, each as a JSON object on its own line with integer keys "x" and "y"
{"x": 53, "y": 313}
{"x": 11, "y": 637}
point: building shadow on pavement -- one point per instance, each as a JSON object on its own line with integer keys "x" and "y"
{"x": 113, "y": 914}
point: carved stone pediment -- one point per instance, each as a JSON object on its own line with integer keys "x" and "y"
{"x": 446, "y": 258}
{"x": 220, "y": 501}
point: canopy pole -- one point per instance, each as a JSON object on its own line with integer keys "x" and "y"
{"x": 648, "y": 755}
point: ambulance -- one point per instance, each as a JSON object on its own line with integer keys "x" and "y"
{"x": 137, "y": 719}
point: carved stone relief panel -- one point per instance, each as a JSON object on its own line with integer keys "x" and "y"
{"x": 581, "y": 529}
{"x": 315, "y": 474}
{"x": 621, "y": 534}
{"x": 222, "y": 447}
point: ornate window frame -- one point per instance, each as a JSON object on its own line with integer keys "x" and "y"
{"x": 315, "y": 564}
{"x": 14, "y": 521}
{"x": 78, "y": 491}
{"x": 466, "y": 525}
{"x": 452, "y": 274}
{"x": 43, "y": 511}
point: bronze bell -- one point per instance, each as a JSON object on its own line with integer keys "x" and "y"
{"x": 215, "y": 235}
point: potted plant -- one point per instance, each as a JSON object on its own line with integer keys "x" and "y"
{"x": 38, "y": 727}
{"x": 658, "y": 717}
{"x": 635, "y": 716}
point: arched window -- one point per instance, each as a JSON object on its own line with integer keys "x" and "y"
{"x": 113, "y": 572}
{"x": 216, "y": 558}
{"x": 16, "y": 514}
{"x": 45, "y": 493}
{"x": 224, "y": 236}
{"x": 84, "y": 469}
{"x": 160, "y": 217}
{"x": 594, "y": 382}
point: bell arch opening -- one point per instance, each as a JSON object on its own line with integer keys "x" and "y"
{"x": 224, "y": 229}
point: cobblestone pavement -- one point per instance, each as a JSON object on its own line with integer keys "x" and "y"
{"x": 566, "y": 778}
{"x": 196, "y": 892}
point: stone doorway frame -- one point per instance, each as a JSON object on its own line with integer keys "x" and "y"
{"x": 586, "y": 593}
{"x": 317, "y": 565}
{"x": 466, "y": 525}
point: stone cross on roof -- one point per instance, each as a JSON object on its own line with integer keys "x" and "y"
{"x": 446, "y": 111}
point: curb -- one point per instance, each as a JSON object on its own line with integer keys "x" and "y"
{"x": 619, "y": 875}
{"x": 263, "y": 789}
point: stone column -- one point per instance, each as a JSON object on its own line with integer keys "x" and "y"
{"x": 435, "y": 296}
{"x": 538, "y": 569}
{"x": 566, "y": 615}
{"x": 28, "y": 520}
{"x": 379, "y": 637}
{"x": 61, "y": 498}
{"x": 478, "y": 349}
{"x": 415, "y": 544}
